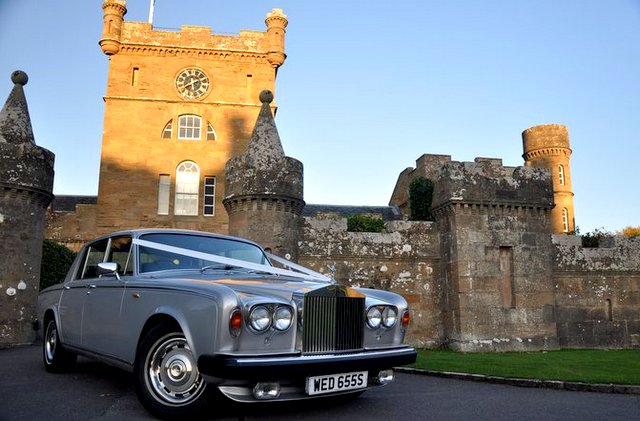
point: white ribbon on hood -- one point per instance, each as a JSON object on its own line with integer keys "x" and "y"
{"x": 297, "y": 271}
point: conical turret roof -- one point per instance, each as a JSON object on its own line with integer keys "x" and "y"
{"x": 265, "y": 148}
{"x": 15, "y": 123}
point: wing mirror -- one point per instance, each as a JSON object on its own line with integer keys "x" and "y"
{"x": 108, "y": 268}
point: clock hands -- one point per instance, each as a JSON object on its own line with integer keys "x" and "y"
{"x": 191, "y": 83}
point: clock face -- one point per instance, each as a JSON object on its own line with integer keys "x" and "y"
{"x": 192, "y": 83}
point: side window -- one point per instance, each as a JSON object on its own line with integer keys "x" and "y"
{"x": 94, "y": 255}
{"x": 120, "y": 253}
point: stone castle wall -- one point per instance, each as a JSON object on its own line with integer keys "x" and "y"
{"x": 494, "y": 225}
{"x": 597, "y": 292}
{"x": 488, "y": 275}
{"x": 592, "y": 299}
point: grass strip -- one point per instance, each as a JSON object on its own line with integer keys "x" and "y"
{"x": 587, "y": 366}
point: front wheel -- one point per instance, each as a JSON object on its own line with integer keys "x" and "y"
{"x": 56, "y": 358}
{"x": 167, "y": 379}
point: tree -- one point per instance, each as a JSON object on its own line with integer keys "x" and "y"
{"x": 56, "y": 261}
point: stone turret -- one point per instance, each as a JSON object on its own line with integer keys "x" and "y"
{"x": 26, "y": 185}
{"x": 494, "y": 224}
{"x": 276, "y": 23}
{"x": 263, "y": 191}
{"x": 547, "y": 146}
{"x": 113, "y": 18}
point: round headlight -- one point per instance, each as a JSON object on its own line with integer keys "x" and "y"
{"x": 374, "y": 317}
{"x": 389, "y": 317}
{"x": 282, "y": 318}
{"x": 260, "y": 319}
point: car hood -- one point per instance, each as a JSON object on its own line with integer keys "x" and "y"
{"x": 243, "y": 283}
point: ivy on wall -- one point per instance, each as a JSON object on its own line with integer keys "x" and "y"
{"x": 420, "y": 196}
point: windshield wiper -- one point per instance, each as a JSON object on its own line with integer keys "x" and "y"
{"x": 217, "y": 267}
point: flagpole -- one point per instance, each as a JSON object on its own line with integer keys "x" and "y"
{"x": 151, "y": 5}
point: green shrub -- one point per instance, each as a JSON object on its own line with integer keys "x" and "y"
{"x": 56, "y": 261}
{"x": 592, "y": 239}
{"x": 420, "y": 196}
{"x": 365, "y": 223}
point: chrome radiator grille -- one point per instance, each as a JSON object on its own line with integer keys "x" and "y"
{"x": 332, "y": 324}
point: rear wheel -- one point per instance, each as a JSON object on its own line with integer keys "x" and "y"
{"x": 167, "y": 379}
{"x": 56, "y": 358}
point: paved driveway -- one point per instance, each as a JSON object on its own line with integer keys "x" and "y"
{"x": 97, "y": 392}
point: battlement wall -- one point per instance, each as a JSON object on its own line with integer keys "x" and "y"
{"x": 190, "y": 36}
{"x": 615, "y": 253}
{"x": 597, "y": 292}
{"x": 487, "y": 181}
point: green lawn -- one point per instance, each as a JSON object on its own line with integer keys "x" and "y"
{"x": 588, "y": 366}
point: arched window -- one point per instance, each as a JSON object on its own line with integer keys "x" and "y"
{"x": 189, "y": 127}
{"x": 211, "y": 134}
{"x": 167, "y": 132}
{"x": 565, "y": 220}
{"x": 187, "y": 183}
{"x": 561, "y": 174}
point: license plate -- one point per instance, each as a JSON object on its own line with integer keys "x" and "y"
{"x": 318, "y": 385}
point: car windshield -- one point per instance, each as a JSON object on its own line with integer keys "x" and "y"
{"x": 156, "y": 257}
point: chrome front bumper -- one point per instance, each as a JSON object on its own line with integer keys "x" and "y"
{"x": 299, "y": 366}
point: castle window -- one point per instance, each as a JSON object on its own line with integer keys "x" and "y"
{"x": 189, "y": 127}
{"x": 211, "y": 134}
{"x": 134, "y": 76}
{"x": 565, "y": 220}
{"x": 561, "y": 174}
{"x": 163, "y": 194}
{"x": 167, "y": 132}
{"x": 209, "y": 196}
{"x": 187, "y": 184}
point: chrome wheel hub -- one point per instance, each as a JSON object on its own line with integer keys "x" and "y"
{"x": 50, "y": 342}
{"x": 172, "y": 372}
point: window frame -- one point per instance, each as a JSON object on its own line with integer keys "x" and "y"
{"x": 167, "y": 132}
{"x": 205, "y": 195}
{"x": 164, "y": 194}
{"x": 561, "y": 175}
{"x": 211, "y": 134}
{"x": 565, "y": 220}
{"x": 187, "y": 191}
{"x": 189, "y": 127}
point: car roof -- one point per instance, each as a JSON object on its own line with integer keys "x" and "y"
{"x": 136, "y": 233}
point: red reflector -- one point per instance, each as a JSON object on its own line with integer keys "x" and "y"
{"x": 235, "y": 322}
{"x": 406, "y": 318}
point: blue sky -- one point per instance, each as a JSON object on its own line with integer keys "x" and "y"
{"x": 369, "y": 86}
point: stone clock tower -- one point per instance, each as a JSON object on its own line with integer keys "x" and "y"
{"x": 178, "y": 106}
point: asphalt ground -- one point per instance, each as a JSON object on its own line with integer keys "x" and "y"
{"x": 97, "y": 392}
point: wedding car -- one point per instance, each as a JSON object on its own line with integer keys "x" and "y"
{"x": 190, "y": 313}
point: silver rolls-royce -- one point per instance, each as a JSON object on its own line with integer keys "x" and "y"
{"x": 191, "y": 312}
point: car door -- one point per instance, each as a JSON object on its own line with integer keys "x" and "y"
{"x": 102, "y": 328}
{"x": 71, "y": 307}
